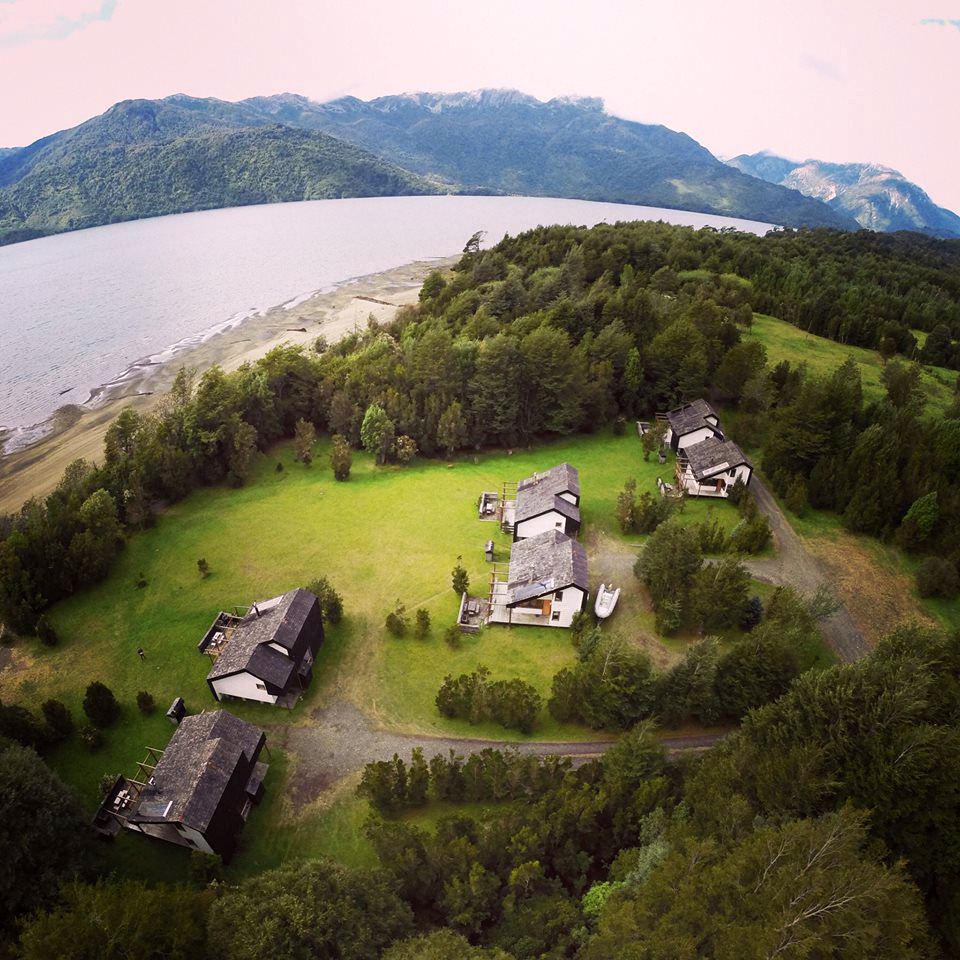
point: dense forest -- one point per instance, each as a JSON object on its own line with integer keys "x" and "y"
{"x": 826, "y": 827}
{"x": 559, "y": 330}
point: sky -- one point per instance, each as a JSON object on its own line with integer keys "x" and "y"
{"x": 842, "y": 80}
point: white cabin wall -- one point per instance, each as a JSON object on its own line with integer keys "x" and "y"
{"x": 689, "y": 439}
{"x": 243, "y": 685}
{"x": 569, "y": 497}
{"x": 570, "y": 604}
{"x": 547, "y": 521}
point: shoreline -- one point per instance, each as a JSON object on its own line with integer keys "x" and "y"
{"x": 34, "y": 468}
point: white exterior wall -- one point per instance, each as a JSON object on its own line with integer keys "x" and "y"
{"x": 547, "y": 521}
{"x": 569, "y": 497}
{"x": 704, "y": 433}
{"x": 572, "y": 602}
{"x": 243, "y": 685}
{"x": 279, "y": 649}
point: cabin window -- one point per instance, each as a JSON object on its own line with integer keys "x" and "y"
{"x": 558, "y": 595}
{"x": 261, "y": 686}
{"x": 555, "y": 616}
{"x": 559, "y": 524}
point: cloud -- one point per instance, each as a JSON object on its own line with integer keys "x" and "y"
{"x": 824, "y": 67}
{"x": 939, "y": 22}
{"x": 27, "y": 21}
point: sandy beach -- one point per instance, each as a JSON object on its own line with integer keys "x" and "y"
{"x": 78, "y": 430}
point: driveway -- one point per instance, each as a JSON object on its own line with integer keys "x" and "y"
{"x": 342, "y": 740}
{"x": 795, "y": 566}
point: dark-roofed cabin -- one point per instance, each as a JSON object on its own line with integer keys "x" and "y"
{"x": 266, "y": 655}
{"x": 200, "y": 789}
{"x": 710, "y": 468}
{"x": 690, "y": 424}
{"x": 548, "y": 501}
{"x": 546, "y": 583}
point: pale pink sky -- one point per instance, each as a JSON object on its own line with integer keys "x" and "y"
{"x": 831, "y": 79}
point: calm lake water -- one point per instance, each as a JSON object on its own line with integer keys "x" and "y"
{"x": 77, "y": 310}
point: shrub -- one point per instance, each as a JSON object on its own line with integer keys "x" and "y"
{"x": 404, "y": 449}
{"x": 650, "y": 512}
{"x": 738, "y": 493}
{"x": 46, "y": 634}
{"x": 100, "y": 705}
{"x": 106, "y": 782}
{"x": 91, "y": 737}
{"x": 453, "y": 637}
{"x": 513, "y": 704}
{"x": 752, "y": 614}
{"x": 341, "y": 457}
{"x": 145, "y": 703}
{"x": 751, "y": 536}
{"x": 203, "y": 567}
{"x": 711, "y": 536}
{"x": 23, "y": 726}
{"x": 619, "y": 426}
{"x": 331, "y": 603}
{"x": 279, "y": 467}
{"x": 796, "y": 498}
{"x": 937, "y": 577}
{"x": 422, "y": 627}
{"x": 205, "y": 868}
{"x": 396, "y": 622}
{"x": 460, "y": 580}
{"x": 58, "y": 717}
{"x": 626, "y": 506}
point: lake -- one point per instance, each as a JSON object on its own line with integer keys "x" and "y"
{"x": 78, "y": 309}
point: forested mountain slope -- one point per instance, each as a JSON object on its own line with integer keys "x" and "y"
{"x": 509, "y": 142}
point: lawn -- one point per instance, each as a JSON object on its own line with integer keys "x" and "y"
{"x": 388, "y": 534}
{"x": 784, "y": 341}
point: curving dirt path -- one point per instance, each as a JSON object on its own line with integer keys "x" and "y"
{"x": 795, "y": 566}
{"x": 342, "y": 740}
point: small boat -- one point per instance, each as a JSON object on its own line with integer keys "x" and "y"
{"x": 606, "y": 600}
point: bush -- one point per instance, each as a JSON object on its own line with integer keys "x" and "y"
{"x": 738, "y": 493}
{"x": 453, "y": 637}
{"x": 396, "y": 622}
{"x": 90, "y": 737}
{"x": 23, "y": 726}
{"x": 145, "y": 703}
{"x": 341, "y": 457}
{"x": 937, "y": 577}
{"x": 58, "y": 717}
{"x": 796, "y": 498}
{"x": 513, "y": 704}
{"x": 106, "y": 782}
{"x": 279, "y": 467}
{"x": 460, "y": 580}
{"x": 46, "y": 634}
{"x": 203, "y": 567}
{"x": 752, "y": 535}
{"x": 650, "y": 512}
{"x": 100, "y": 705}
{"x": 205, "y": 868}
{"x": 331, "y": 603}
{"x": 422, "y": 627}
{"x": 404, "y": 449}
{"x": 752, "y": 614}
{"x": 619, "y": 426}
{"x": 711, "y": 536}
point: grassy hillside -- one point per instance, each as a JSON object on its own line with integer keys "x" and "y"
{"x": 784, "y": 341}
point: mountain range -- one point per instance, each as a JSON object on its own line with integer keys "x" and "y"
{"x": 877, "y": 197}
{"x": 145, "y": 158}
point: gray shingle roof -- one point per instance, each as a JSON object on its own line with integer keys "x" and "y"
{"x": 691, "y": 416}
{"x": 711, "y": 456}
{"x": 196, "y": 767}
{"x": 249, "y": 648}
{"x": 544, "y": 563}
{"x": 541, "y": 493}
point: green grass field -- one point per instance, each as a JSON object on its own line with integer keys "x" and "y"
{"x": 787, "y": 342}
{"x": 387, "y": 534}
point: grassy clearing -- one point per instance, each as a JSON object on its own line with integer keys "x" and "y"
{"x": 387, "y": 534}
{"x": 787, "y": 342}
